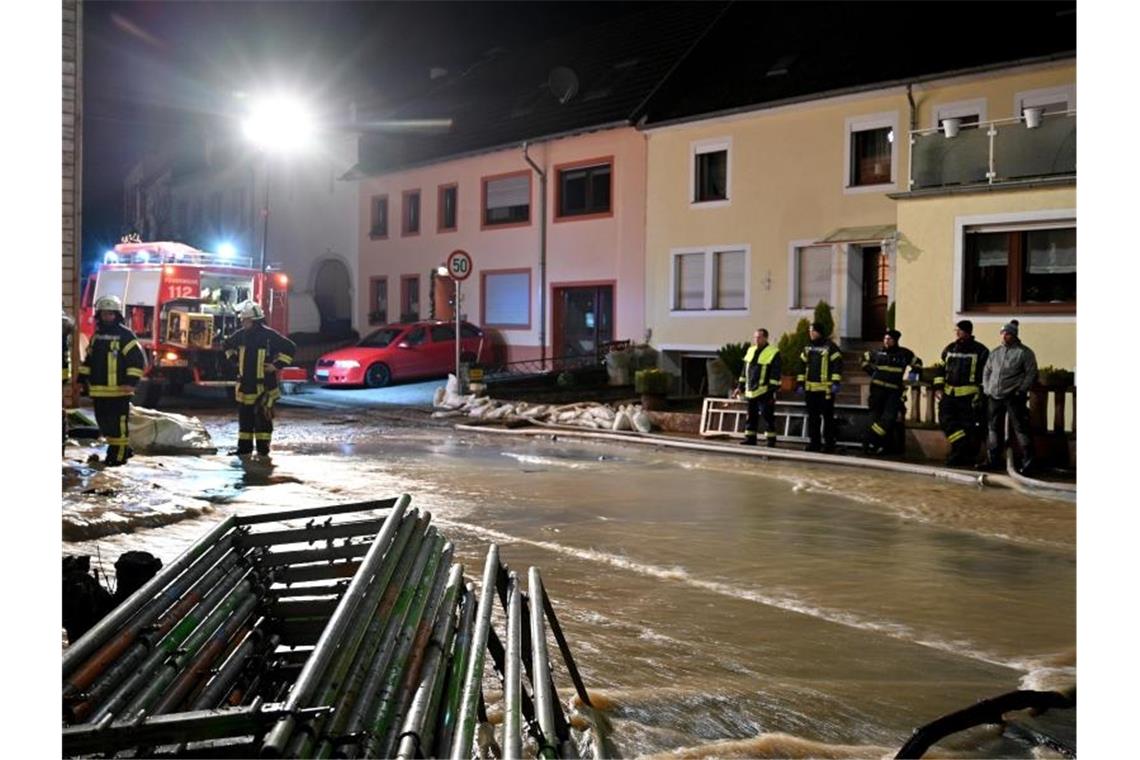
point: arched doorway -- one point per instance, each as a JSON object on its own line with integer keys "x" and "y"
{"x": 332, "y": 291}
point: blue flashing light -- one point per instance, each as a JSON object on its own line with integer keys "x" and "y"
{"x": 110, "y": 257}
{"x": 227, "y": 250}
{"x": 142, "y": 257}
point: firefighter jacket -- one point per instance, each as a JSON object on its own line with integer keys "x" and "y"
{"x": 963, "y": 362}
{"x": 1009, "y": 370}
{"x": 255, "y": 347}
{"x": 823, "y": 365}
{"x": 761, "y": 372}
{"x": 114, "y": 364}
{"x": 887, "y": 366}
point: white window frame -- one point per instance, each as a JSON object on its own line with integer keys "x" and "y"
{"x": 794, "y": 276}
{"x": 1039, "y": 97}
{"x": 696, "y": 148}
{"x": 1029, "y": 219}
{"x": 863, "y": 123}
{"x": 957, "y": 110}
{"x": 708, "y": 311}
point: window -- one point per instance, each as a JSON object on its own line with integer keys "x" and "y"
{"x": 409, "y": 298}
{"x": 378, "y": 227}
{"x": 469, "y": 331}
{"x": 448, "y": 198}
{"x": 1033, "y": 269}
{"x": 378, "y": 301}
{"x": 710, "y": 280}
{"x": 506, "y": 299}
{"x": 811, "y": 275}
{"x": 1051, "y": 99}
{"x": 417, "y": 336}
{"x": 411, "y": 224}
{"x": 968, "y": 112}
{"x": 870, "y": 150}
{"x": 441, "y": 333}
{"x": 710, "y": 171}
{"x": 506, "y": 199}
{"x": 584, "y": 190}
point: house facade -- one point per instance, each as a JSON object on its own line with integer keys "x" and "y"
{"x": 754, "y": 217}
{"x": 583, "y": 288}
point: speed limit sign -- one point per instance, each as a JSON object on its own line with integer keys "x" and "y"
{"x": 459, "y": 264}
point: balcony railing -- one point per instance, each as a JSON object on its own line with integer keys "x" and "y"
{"x": 994, "y": 152}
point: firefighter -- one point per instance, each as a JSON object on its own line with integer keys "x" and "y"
{"x": 260, "y": 352}
{"x": 759, "y": 380}
{"x": 823, "y": 372}
{"x": 887, "y": 366}
{"x": 1010, "y": 372}
{"x": 114, "y": 364}
{"x": 961, "y": 404}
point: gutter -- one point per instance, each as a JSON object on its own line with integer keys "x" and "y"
{"x": 541, "y": 256}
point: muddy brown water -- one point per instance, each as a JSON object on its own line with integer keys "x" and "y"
{"x": 717, "y": 605}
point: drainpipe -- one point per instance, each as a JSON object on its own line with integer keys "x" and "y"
{"x": 913, "y": 109}
{"x": 541, "y": 255}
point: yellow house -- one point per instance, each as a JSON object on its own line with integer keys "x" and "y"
{"x": 754, "y": 216}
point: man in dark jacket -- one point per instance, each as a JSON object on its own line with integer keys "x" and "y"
{"x": 819, "y": 382}
{"x": 887, "y": 367}
{"x": 260, "y": 351}
{"x": 1009, "y": 374}
{"x": 759, "y": 380}
{"x": 114, "y": 364}
{"x": 961, "y": 408}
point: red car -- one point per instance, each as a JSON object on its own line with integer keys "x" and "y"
{"x": 401, "y": 352}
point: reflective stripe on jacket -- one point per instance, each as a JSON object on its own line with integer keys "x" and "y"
{"x": 254, "y": 348}
{"x": 823, "y": 365}
{"x": 114, "y": 364}
{"x": 963, "y": 363}
{"x": 887, "y": 366}
{"x": 761, "y": 372}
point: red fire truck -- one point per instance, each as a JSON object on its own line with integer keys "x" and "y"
{"x": 181, "y": 302}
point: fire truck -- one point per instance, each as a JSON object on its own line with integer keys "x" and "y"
{"x": 181, "y": 302}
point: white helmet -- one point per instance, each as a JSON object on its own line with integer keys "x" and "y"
{"x": 251, "y": 310}
{"x": 109, "y": 303}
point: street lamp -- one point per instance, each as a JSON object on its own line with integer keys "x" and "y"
{"x": 282, "y": 125}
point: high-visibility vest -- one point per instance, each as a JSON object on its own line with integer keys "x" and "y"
{"x": 761, "y": 372}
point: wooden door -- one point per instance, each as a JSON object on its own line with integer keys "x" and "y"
{"x": 876, "y": 292}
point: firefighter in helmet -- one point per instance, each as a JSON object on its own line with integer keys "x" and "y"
{"x": 823, "y": 372}
{"x": 260, "y": 351}
{"x": 759, "y": 380}
{"x": 961, "y": 406}
{"x": 887, "y": 367}
{"x": 114, "y": 364}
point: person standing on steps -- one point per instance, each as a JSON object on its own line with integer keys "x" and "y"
{"x": 887, "y": 367}
{"x": 260, "y": 351}
{"x": 1009, "y": 374}
{"x": 819, "y": 383}
{"x": 759, "y": 380}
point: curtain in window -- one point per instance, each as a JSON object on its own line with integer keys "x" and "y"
{"x": 730, "y": 280}
{"x": 1052, "y": 251}
{"x": 814, "y": 275}
{"x": 993, "y": 250}
{"x": 690, "y": 281}
{"x": 506, "y": 298}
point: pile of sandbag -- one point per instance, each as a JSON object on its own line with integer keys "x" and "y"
{"x": 155, "y": 432}
{"x": 587, "y": 414}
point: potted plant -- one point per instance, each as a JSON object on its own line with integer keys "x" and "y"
{"x": 791, "y": 346}
{"x": 653, "y": 385}
{"x": 724, "y": 370}
{"x": 1054, "y": 377}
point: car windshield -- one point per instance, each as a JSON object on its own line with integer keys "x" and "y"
{"x": 381, "y": 338}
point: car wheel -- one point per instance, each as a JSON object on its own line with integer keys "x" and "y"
{"x": 377, "y": 376}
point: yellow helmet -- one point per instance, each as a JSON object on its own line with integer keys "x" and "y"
{"x": 109, "y": 303}
{"x": 251, "y": 310}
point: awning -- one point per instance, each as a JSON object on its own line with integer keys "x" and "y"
{"x": 874, "y": 234}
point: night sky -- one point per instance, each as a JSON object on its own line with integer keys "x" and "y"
{"x": 154, "y": 69}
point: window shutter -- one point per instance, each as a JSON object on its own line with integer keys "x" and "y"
{"x": 730, "y": 280}
{"x": 690, "y": 279}
{"x": 508, "y": 191}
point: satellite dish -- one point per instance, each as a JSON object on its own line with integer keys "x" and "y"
{"x": 563, "y": 83}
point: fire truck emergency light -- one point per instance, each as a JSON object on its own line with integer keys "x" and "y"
{"x": 110, "y": 257}
{"x": 227, "y": 250}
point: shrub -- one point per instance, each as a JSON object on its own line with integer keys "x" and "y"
{"x": 822, "y": 315}
{"x": 1055, "y": 376}
{"x": 732, "y": 354}
{"x": 791, "y": 345}
{"x": 652, "y": 381}
{"x": 891, "y": 316}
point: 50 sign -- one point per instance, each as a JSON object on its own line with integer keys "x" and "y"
{"x": 459, "y": 265}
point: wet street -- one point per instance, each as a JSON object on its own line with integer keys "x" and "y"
{"x": 708, "y": 598}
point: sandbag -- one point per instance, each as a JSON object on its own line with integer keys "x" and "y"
{"x": 155, "y": 432}
{"x": 642, "y": 423}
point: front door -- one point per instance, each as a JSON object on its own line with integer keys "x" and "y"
{"x": 876, "y": 292}
{"x": 583, "y": 319}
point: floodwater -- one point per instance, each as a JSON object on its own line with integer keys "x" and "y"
{"x": 716, "y": 605}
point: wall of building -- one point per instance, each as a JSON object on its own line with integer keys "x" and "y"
{"x": 608, "y": 249}
{"x": 927, "y": 308}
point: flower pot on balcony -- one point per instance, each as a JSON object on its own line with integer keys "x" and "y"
{"x": 950, "y": 127}
{"x": 1033, "y": 117}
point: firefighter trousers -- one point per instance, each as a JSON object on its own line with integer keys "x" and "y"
{"x": 111, "y": 414}
{"x": 761, "y": 407}
{"x": 820, "y": 407}
{"x": 886, "y": 406}
{"x": 961, "y": 420}
{"x": 1015, "y": 407}
{"x": 255, "y": 426}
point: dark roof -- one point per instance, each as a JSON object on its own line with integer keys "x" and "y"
{"x": 770, "y": 52}
{"x": 682, "y": 60}
{"x": 506, "y": 98}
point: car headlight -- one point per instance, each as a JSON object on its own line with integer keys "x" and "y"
{"x": 346, "y": 364}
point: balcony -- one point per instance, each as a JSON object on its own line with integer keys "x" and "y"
{"x": 994, "y": 153}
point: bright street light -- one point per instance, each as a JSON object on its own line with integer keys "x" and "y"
{"x": 441, "y": 271}
{"x": 280, "y": 124}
